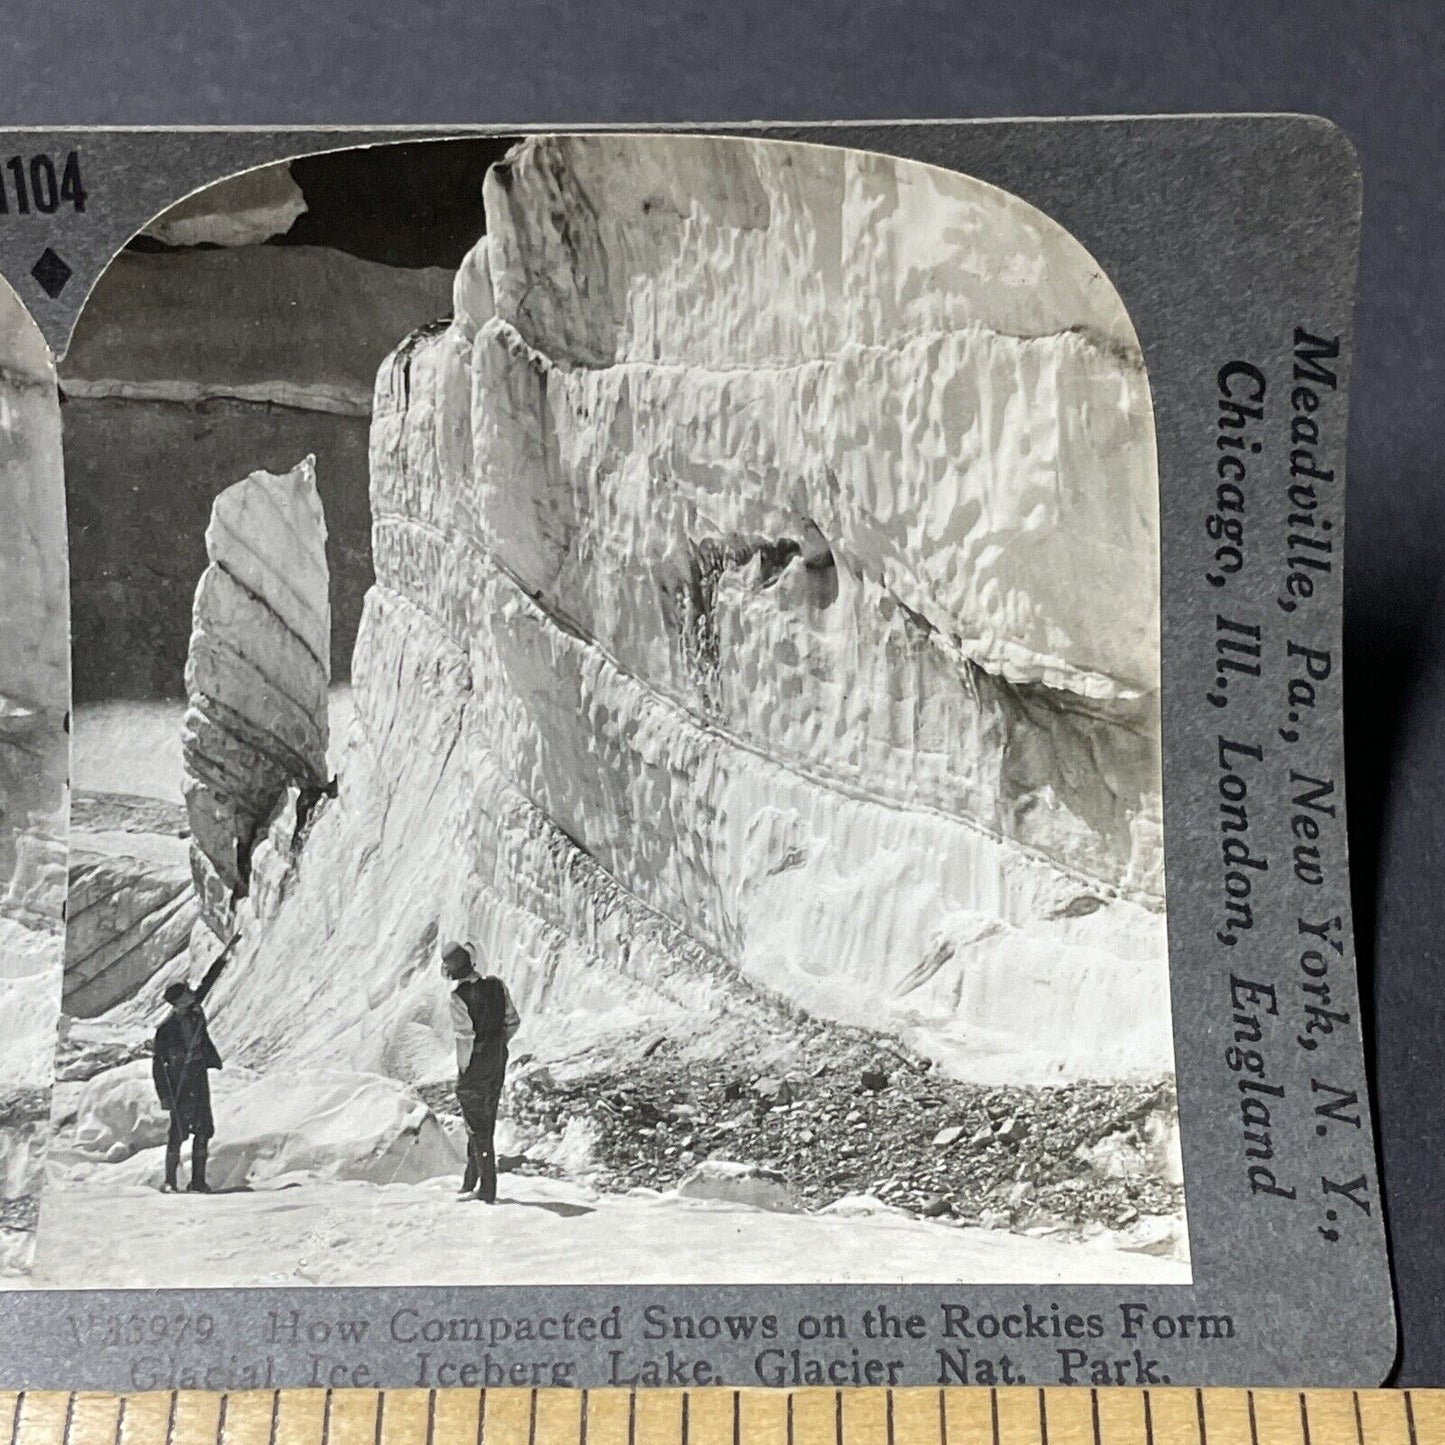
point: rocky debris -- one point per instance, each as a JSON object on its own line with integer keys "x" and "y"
{"x": 258, "y": 669}
{"x": 1016, "y": 1158}
{"x": 731, "y": 1182}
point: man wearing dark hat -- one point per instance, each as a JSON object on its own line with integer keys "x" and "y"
{"x": 483, "y": 1021}
{"x": 183, "y": 1056}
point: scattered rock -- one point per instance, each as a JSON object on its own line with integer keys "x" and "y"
{"x": 937, "y": 1207}
{"x": 945, "y": 1137}
{"x": 772, "y": 1091}
{"x": 1012, "y": 1130}
{"x": 875, "y": 1080}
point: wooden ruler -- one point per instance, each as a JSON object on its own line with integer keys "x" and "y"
{"x": 1008, "y": 1416}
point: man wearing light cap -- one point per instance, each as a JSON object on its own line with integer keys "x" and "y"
{"x": 483, "y": 1020}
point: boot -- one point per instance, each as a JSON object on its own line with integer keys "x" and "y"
{"x": 199, "y": 1149}
{"x": 173, "y": 1166}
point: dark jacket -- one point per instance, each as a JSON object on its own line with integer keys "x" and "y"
{"x": 482, "y": 1009}
{"x": 183, "y": 1054}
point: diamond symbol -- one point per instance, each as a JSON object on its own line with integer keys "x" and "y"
{"x": 51, "y": 272}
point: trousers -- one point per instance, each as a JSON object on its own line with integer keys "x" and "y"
{"x": 479, "y": 1092}
{"x": 200, "y": 1148}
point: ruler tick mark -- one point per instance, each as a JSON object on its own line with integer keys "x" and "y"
{"x": 1410, "y": 1418}
{"x": 1094, "y": 1415}
{"x": 221, "y": 1419}
{"x": 993, "y": 1410}
{"x": 380, "y": 1407}
{"x": 1043, "y": 1421}
{"x": 1304, "y": 1417}
{"x": 1359, "y": 1422}
{"x": 1148, "y": 1420}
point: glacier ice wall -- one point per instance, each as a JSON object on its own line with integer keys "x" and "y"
{"x": 34, "y": 763}
{"x": 766, "y": 606}
{"x": 258, "y": 667}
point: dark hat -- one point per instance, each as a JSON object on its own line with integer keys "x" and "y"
{"x": 456, "y": 960}
{"x": 175, "y": 991}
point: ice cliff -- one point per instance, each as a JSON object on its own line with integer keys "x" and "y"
{"x": 34, "y": 759}
{"x": 765, "y": 609}
{"x": 258, "y": 669}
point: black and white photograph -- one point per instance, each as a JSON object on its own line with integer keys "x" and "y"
{"x": 615, "y": 735}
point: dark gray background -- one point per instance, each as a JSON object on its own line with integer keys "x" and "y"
{"x": 1375, "y": 69}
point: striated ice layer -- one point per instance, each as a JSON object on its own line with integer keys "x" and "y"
{"x": 258, "y": 667}
{"x": 127, "y": 918}
{"x": 766, "y": 609}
